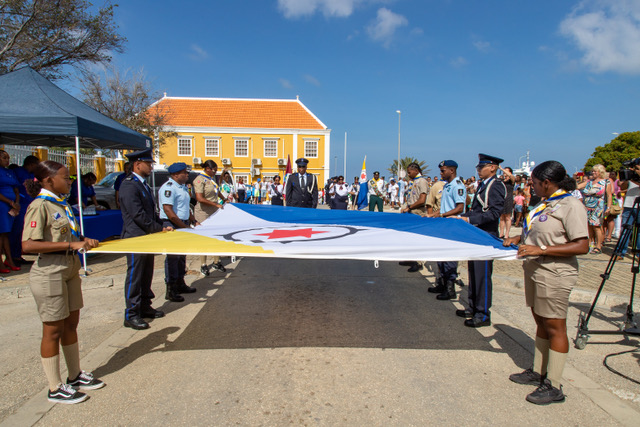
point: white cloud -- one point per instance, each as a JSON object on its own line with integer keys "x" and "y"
{"x": 298, "y": 8}
{"x": 285, "y": 83}
{"x": 608, "y": 34}
{"x": 480, "y": 45}
{"x": 197, "y": 53}
{"x": 417, "y": 31}
{"x": 310, "y": 79}
{"x": 385, "y": 26}
{"x": 458, "y": 62}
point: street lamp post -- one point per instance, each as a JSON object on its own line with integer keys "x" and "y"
{"x": 398, "y": 167}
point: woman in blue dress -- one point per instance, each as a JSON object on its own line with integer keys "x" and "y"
{"x": 9, "y": 209}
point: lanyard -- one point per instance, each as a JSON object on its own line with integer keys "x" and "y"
{"x": 67, "y": 209}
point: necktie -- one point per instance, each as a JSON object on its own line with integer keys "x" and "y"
{"x": 303, "y": 182}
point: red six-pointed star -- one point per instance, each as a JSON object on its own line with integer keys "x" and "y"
{"x": 300, "y": 232}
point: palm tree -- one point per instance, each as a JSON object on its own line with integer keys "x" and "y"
{"x": 406, "y": 162}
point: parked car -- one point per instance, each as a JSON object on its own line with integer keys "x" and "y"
{"x": 106, "y": 194}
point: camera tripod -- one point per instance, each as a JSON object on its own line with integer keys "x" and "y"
{"x": 629, "y": 326}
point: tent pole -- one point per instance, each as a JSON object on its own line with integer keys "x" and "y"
{"x": 79, "y": 183}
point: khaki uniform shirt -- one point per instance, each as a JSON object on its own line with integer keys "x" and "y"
{"x": 209, "y": 189}
{"x": 561, "y": 221}
{"x": 435, "y": 196}
{"x": 47, "y": 221}
{"x": 420, "y": 186}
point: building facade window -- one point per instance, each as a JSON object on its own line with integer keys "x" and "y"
{"x": 211, "y": 147}
{"x": 245, "y": 178}
{"x": 311, "y": 148}
{"x": 184, "y": 147}
{"x": 242, "y": 147}
{"x": 270, "y": 148}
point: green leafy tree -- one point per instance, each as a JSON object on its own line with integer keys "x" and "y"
{"x": 50, "y": 34}
{"x": 404, "y": 162}
{"x": 127, "y": 98}
{"x": 623, "y": 147}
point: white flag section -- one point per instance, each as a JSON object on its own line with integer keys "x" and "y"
{"x": 286, "y": 232}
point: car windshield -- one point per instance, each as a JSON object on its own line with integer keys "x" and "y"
{"x": 109, "y": 180}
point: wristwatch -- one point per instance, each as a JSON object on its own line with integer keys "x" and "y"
{"x": 544, "y": 249}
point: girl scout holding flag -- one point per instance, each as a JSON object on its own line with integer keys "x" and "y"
{"x": 52, "y": 232}
{"x": 554, "y": 232}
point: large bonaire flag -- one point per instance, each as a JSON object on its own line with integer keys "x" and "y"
{"x": 363, "y": 190}
{"x": 287, "y": 232}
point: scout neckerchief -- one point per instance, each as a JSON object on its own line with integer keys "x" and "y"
{"x": 53, "y": 198}
{"x": 528, "y": 221}
{"x": 412, "y": 182}
{"x": 215, "y": 186}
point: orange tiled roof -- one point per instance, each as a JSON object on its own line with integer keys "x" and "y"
{"x": 238, "y": 113}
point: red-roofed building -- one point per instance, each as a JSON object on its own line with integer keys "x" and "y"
{"x": 251, "y": 137}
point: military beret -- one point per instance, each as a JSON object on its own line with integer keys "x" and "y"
{"x": 449, "y": 163}
{"x": 177, "y": 167}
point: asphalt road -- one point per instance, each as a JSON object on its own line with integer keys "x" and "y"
{"x": 310, "y": 342}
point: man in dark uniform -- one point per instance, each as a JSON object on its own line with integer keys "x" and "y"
{"x": 302, "y": 187}
{"x": 486, "y": 208}
{"x": 139, "y": 217}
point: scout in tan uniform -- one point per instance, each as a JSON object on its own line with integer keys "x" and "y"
{"x": 553, "y": 234}
{"x": 416, "y": 198}
{"x": 208, "y": 195}
{"x": 51, "y": 231}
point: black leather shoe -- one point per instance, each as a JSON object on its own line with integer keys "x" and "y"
{"x": 136, "y": 323}
{"x": 183, "y": 288}
{"x": 151, "y": 313}
{"x": 477, "y": 322}
{"x": 438, "y": 288}
{"x": 171, "y": 294}
{"x": 464, "y": 313}
{"x": 415, "y": 267}
{"x": 449, "y": 291}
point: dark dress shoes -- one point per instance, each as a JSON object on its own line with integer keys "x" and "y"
{"x": 415, "y": 267}
{"x": 185, "y": 289}
{"x": 464, "y": 313}
{"x": 151, "y": 313}
{"x": 477, "y": 322}
{"x": 136, "y": 323}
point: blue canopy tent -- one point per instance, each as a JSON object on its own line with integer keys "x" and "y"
{"x": 34, "y": 111}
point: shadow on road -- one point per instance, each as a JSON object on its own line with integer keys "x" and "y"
{"x": 310, "y": 303}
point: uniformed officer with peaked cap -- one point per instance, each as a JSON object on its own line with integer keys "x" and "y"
{"x": 486, "y": 208}
{"x": 175, "y": 212}
{"x": 302, "y": 188}
{"x": 139, "y": 217}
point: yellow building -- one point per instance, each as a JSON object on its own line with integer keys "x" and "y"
{"x": 251, "y": 137}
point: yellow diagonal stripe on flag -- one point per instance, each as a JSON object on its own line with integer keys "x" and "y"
{"x": 174, "y": 242}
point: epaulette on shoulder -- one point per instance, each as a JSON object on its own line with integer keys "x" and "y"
{"x": 169, "y": 183}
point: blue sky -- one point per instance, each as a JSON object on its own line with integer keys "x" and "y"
{"x": 553, "y": 77}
